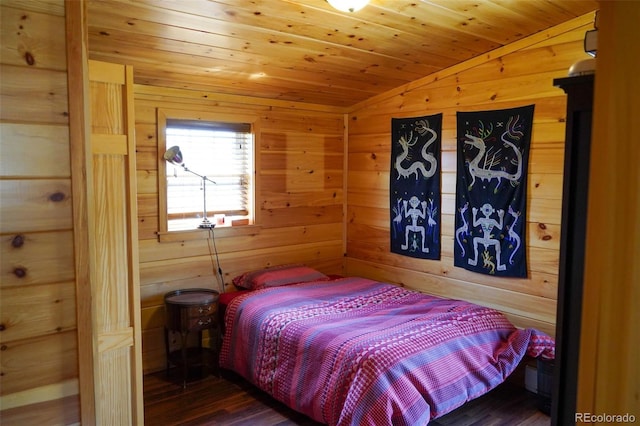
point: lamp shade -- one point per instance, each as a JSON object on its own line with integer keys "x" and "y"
{"x": 173, "y": 155}
{"x": 348, "y": 5}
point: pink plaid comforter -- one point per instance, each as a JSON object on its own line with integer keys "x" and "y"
{"x": 355, "y": 351}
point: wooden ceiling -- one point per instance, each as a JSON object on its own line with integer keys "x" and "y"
{"x": 304, "y": 50}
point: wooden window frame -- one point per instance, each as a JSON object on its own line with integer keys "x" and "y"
{"x": 163, "y": 115}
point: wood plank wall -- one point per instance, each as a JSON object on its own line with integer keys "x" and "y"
{"x": 519, "y": 74}
{"x": 39, "y": 372}
{"x": 299, "y": 203}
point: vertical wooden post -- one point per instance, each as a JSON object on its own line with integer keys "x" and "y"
{"x": 133, "y": 265}
{"x": 81, "y": 178}
{"x": 608, "y": 372}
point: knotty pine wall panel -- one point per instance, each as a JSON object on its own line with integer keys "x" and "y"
{"x": 512, "y": 77}
{"x": 299, "y": 203}
{"x": 39, "y": 362}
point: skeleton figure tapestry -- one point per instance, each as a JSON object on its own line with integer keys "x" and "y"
{"x": 491, "y": 191}
{"x": 415, "y": 186}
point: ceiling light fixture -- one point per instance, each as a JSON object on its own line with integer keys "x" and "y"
{"x": 348, "y": 5}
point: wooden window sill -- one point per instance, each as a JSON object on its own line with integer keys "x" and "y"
{"x": 202, "y": 234}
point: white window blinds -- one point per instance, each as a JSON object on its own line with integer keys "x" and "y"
{"x": 221, "y": 152}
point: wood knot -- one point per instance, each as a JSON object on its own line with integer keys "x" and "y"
{"x": 542, "y": 226}
{"x": 17, "y": 241}
{"x": 29, "y": 58}
{"x": 56, "y": 197}
{"x": 20, "y": 272}
{"x": 3, "y": 327}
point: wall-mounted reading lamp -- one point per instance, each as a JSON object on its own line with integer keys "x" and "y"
{"x": 587, "y": 66}
{"x": 591, "y": 39}
{"x": 174, "y": 156}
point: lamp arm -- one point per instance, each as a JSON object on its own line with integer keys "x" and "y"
{"x": 204, "y": 178}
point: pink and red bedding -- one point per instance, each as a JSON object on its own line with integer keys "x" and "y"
{"x": 355, "y": 351}
{"x": 269, "y": 277}
{"x": 278, "y": 276}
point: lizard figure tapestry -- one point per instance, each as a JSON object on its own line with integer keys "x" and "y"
{"x": 415, "y": 186}
{"x": 491, "y": 191}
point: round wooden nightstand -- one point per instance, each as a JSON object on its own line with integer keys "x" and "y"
{"x": 186, "y": 311}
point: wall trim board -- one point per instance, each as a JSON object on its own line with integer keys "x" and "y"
{"x": 41, "y": 394}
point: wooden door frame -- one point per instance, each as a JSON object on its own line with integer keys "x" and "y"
{"x": 81, "y": 176}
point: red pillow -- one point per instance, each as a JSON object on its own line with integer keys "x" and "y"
{"x": 278, "y": 276}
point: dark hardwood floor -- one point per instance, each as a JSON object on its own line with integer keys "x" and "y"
{"x": 229, "y": 400}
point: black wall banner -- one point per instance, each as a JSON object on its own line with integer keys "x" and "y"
{"x": 491, "y": 190}
{"x": 415, "y": 186}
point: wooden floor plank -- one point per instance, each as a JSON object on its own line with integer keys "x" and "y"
{"x": 231, "y": 401}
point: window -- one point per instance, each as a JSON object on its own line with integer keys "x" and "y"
{"x": 215, "y": 176}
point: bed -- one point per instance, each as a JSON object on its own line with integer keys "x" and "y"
{"x": 353, "y": 351}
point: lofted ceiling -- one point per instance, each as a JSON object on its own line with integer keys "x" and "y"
{"x": 304, "y": 50}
